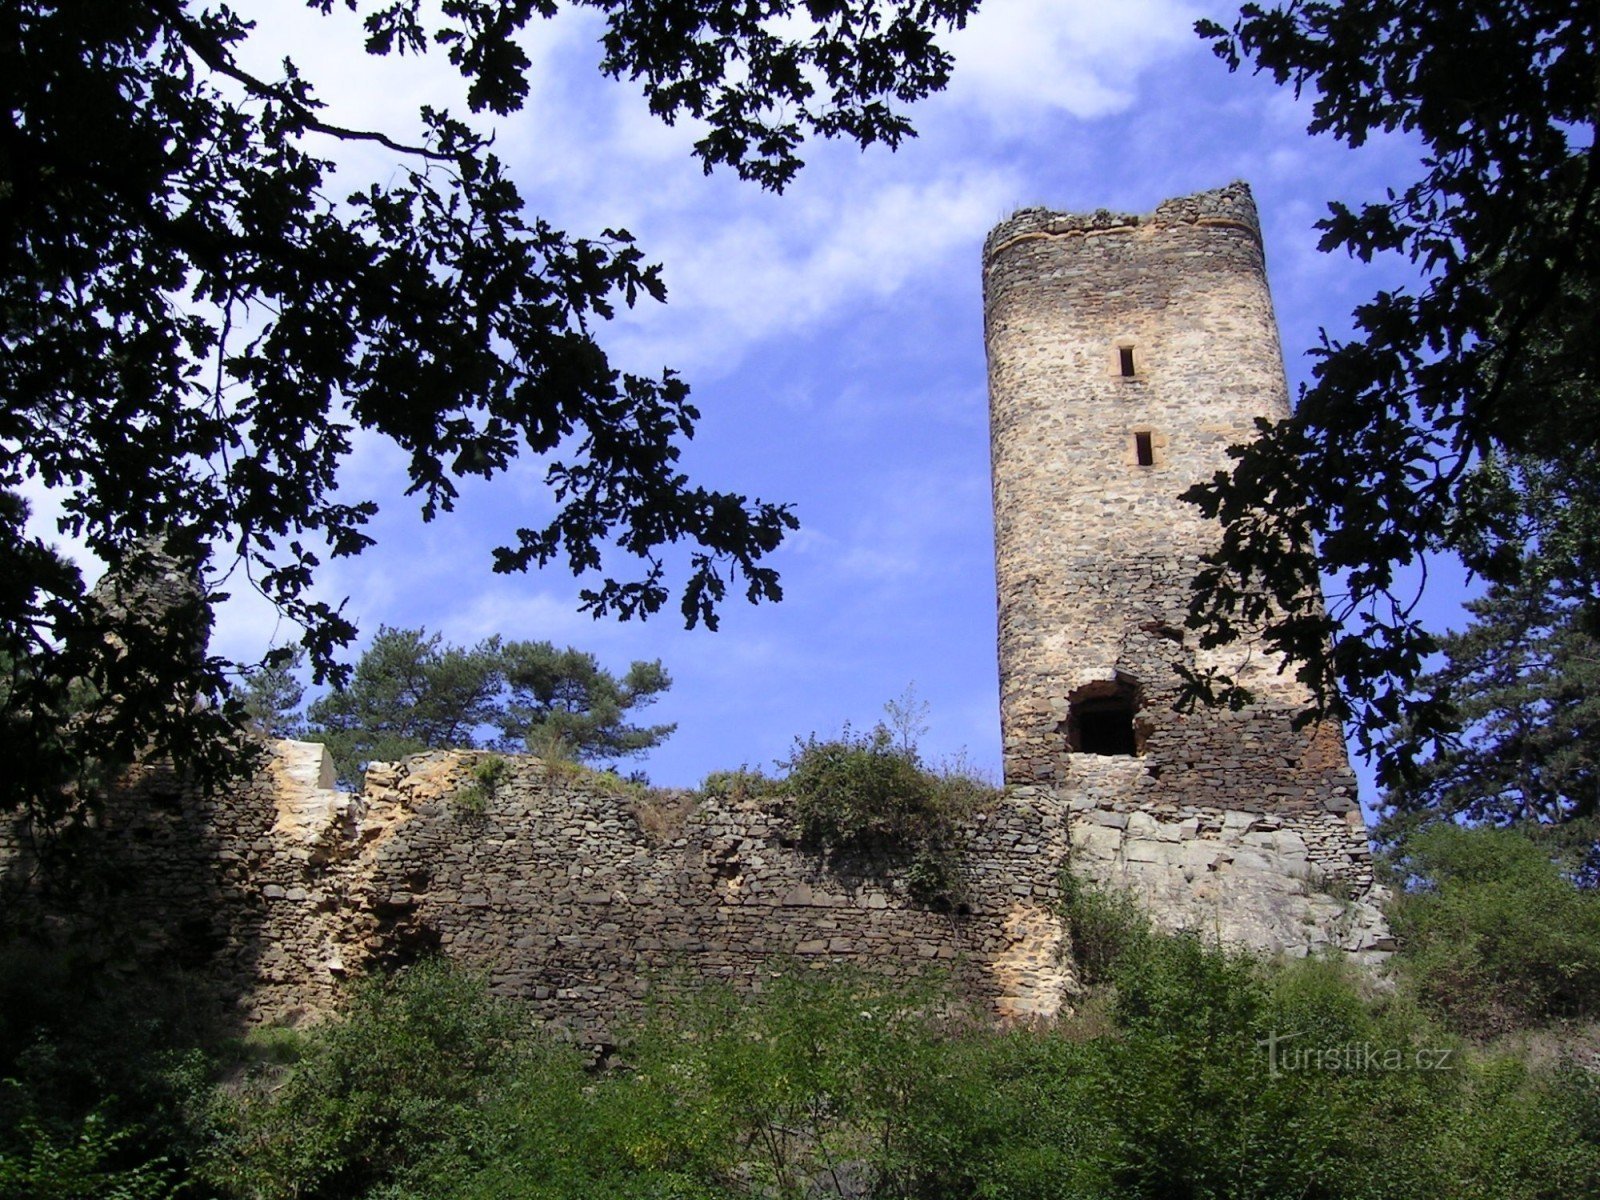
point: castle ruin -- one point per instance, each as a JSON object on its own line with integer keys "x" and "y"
{"x": 1125, "y": 354}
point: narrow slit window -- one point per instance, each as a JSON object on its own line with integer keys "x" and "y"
{"x": 1144, "y": 450}
{"x": 1125, "y": 356}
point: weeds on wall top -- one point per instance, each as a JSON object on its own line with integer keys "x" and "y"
{"x": 864, "y": 797}
{"x": 487, "y": 774}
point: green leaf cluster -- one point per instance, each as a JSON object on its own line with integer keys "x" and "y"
{"x": 867, "y": 797}
{"x": 1205, "y": 1074}
{"x": 412, "y": 692}
{"x": 1187, "y": 1071}
{"x": 1523, "y": 680}
{"x": 400, "y": 1077}
{"x": 1462, "y": 417}
{"x": 200, "y": 322}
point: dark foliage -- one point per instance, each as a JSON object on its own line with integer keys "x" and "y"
{"x": 411, "y": 692}
{"x": 1400, "y": 446}
{"x": 1524, "y": 677}
{"x": 195, "y": 329}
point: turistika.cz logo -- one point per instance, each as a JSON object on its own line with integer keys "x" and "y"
{"x": 1284, "y": 1056}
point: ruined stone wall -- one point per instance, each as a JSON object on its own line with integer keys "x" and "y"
{"x": 1126, "y": 354}
{"x": 282, "y": 891}
{"x": 285, "y": 889}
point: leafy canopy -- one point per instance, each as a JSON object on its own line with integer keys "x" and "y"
{"x": 411, "y": 692}
{"x": 196, "y": 327}
{"x": 1399, "y": 448}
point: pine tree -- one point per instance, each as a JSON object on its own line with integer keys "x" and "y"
{"x": 411, "y": 691}
{"x": 1524, "y": 677}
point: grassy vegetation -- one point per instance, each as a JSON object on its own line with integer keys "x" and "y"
{"x": 1190, "y": 1072}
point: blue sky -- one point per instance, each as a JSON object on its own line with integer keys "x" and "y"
{"x": 833, "y": 340}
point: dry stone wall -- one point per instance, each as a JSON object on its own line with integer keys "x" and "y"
{"x": 283, "y": 890}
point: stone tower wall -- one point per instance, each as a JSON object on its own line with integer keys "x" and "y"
{"x": 1096, "y": 552}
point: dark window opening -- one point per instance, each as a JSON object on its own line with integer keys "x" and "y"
{"x": 1144, "y": 449}
{"x": 1103, "y": 719}
{"x": 1125, "y": 354}
{"x": 1105, "y": 727}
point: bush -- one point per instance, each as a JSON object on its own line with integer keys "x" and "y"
{"x": 1493, "y": 936}
{"x": 401, "y": 1077}
{"x": 832, "y": 1083}
{"x": 863, "y": 797}
{"x": 1103, "y": 925}
{"x": 803, "y": 1089}
{"x": 487, "y": 774}
{"x": 46, "y": 1164}
{"x": 744, "y": 783}
{"x": 100, "y": 1071}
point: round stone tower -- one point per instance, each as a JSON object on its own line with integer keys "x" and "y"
{"x": 1126, "y": 354}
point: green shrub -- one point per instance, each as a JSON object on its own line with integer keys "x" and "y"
{"x": 744, "y": 783}
{"x": 829, "y": 1083}
{"x": 100, "y": 1071}
{"x": 41, "y": 1163}
{"x": 399, "y": 1078}
{"x": 1493, "y": 936}
{"x": 806, "y": 1088}
{"x": 488, "y": 773}
{"x": 1516, "y": 1131}
{"x": 864, "y": 797}
{"x": 1103, "y": 925}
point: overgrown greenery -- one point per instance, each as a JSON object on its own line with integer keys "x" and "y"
{"x": 1463, "y": 414}
{"x": 1496, "y": 936}
{"x": 869, "y": 796}
{"x": 1102, "y": 925}
{"x": 399, "y": 1079}
{"x": 487, "y": 774}
{"x": 1190, "y": 1072}
{"x": 98, "y": 1071}
{"x": 412, "y": 691}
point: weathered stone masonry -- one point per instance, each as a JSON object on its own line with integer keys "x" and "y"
{"x": 285, "y": 889}
{"x": 1126, "y": 354}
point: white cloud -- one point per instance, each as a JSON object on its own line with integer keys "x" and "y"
{"x": 750, "y": 275}
{"x": 1080, "y": 56}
